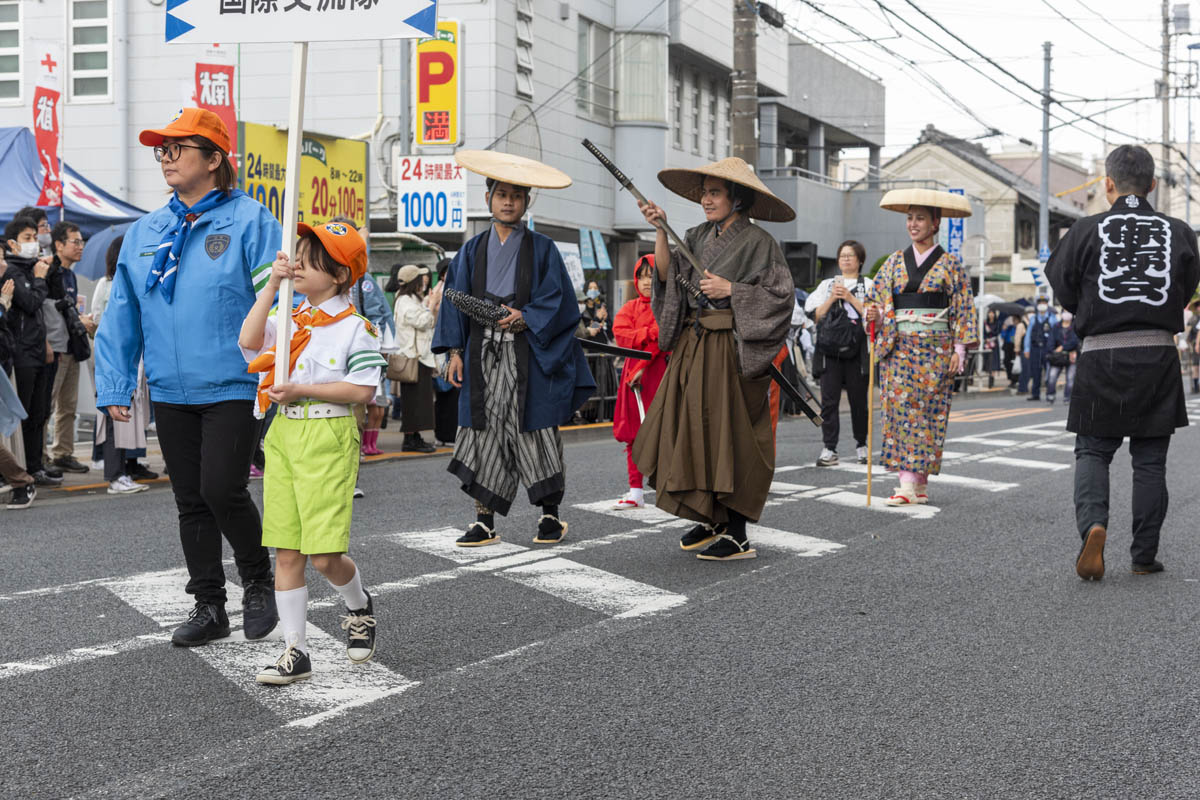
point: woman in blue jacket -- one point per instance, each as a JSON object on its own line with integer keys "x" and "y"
{"x": 1064, "y": 348}
{"x": 186, "y": 277}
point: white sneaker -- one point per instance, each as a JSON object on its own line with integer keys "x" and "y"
{"x": 97, "y": 465}
{"x": 828, "y": 458}
{"x": 124, "y": 485}
{"x": 359, "y": 493}
{"x": 862, "y": 454}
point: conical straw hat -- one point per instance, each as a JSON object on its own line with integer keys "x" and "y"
{"x": 689, "y": 183}
{"x": 517, "y": 170}
{"x": 952, "y": 205}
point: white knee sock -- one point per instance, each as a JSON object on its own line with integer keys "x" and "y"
{"x": 352, "y": 592}
{"x": 293, "y": 609}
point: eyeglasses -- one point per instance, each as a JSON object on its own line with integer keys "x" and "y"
{"x": 75, "y": 241}
{"x": 173, "y": 150}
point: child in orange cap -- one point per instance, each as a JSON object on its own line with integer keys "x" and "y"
{"x": 312, "y": 447}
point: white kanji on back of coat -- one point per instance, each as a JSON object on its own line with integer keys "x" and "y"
{"x": 1135, "y": 259}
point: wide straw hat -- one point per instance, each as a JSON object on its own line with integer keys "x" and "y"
{"x": 517, "y": 170}
{"x": 951, "y": 205}
{"x": 689, "y": 183}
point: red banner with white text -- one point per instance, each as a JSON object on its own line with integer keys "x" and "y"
{"x": 46, "y": 132}
{"x": 214, "y": 92}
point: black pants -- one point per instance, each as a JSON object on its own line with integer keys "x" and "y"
{"x": 843, "y": 374}
{"x": 207, "y": 449}
{"x": 33, "y": 390}
{"x": 1037, "y": 366}
{"x": 445, "y": 415}
{"x": 1093, "y": 455}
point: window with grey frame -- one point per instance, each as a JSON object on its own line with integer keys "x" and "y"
{"x": 10, "y": 50}
{"x": 90, "y": 44}
{"x": 594, "y": 90}
{"x": 677, "y": 107}
{"x": 697, "y": 108}
{"x": 712, "y": 120}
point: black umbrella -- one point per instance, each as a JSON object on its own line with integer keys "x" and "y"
{"x": 1008, "y": 309}
{"x": 91, "y": 265}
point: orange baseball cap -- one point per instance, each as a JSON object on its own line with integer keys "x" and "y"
{"x": 342, "y": 242}
{"x": 190, "y": 122}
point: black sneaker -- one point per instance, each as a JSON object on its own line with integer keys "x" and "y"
{"x": 1148, "y": 569}
{"x": 206, "y": 623}
{"x": 551, "y": 530}
{"x": 700, "y": 535}
{"x": 140, "y": 472}
{"x": 259, "y": 615}
{"x": 43, "y": 478}
{"x": 360, "y": 632}
{"x": 477, "y": 535}
{"x": 294, "y": 665}
{"x": 415, "y": 444}
{"x": 22, "y": 497}
{"x": 52, "y": 471}
{"x": 69, "y": 464}
{"x": 726, "y": 548}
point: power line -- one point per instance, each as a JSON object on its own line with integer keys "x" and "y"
{"x": 1093, "y": 37}
{"x": 1116, "y": 28}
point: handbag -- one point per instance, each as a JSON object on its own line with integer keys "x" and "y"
{"x": 402, "y": 368}
{"x": 839, "y": 336}
{"x": 1059, "y": 359}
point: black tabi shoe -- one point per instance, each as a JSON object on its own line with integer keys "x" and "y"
{"x": 140, "y": 472}
{"x": 69, "y": 464}
{"x": 259, "y": 615}
{"x": 1089, "y": 564}
{"x": 550, "y": 530}
{"x": 360, "y": 632}
{"x": 700, "y": 535}
{"x": 477, "y": 535}
{"x": 727, "y": 548}
{"x": 1148, "y": 569}
{"x": 294, "y": 665}
{"x": 207, "y": 622}
{"x": 22, "y": 497}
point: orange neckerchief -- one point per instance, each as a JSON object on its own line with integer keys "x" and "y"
{"x": 304, "y": 321}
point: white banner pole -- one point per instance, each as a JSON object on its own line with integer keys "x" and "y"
{"x": 291, "y": 209}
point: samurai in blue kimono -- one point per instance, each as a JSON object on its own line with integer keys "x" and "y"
{"x": 522, "y": 377}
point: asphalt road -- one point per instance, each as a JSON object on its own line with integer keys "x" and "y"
{"x": 942, "y": 652}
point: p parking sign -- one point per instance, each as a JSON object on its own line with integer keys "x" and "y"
{"x": 436, "y": 60}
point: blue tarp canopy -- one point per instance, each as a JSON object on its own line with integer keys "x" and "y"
{"x": 86, "y": 204}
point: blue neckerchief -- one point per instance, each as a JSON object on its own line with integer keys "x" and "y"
{"x": 165, "y": 269}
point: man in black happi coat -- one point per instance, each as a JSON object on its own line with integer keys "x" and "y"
{"x": 1126, "y": 274}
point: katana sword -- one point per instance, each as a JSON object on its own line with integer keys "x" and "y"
{"x": 487, "y": 314}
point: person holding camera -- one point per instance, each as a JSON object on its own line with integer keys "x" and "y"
{"x": 69, "y": 334}
{"x": 840, "y": 360}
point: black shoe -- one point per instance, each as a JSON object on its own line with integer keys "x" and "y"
{"x": 1148, "y": 569}
{"x": 52, "y": 471}
{"x": 360, "y": 632}
{"x": 206, "y": 623}
{"x": 1089, "y": 564}
{"x": 551, "y": 530}
{"x": 259, "y": 615}
{"x": 139, "y": 472}
{"x": 415, "y": 444}
{"x": 22, "y": 497}
{"x": 726, "y": 548}
{"x": 477, "y": 535}
{"x": 700, "y": 535}
{"x": 43, "y": 478}
{"x": 69, "y": 464}
{"x": 294, "y": 665}
{"x": 1033, "y": 398}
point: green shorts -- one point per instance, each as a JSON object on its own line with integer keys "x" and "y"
{"x": 308, "y": 483}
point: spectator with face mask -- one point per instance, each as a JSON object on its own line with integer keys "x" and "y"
{"x": 33, "y": 361}
{"x": 11, "y": 410}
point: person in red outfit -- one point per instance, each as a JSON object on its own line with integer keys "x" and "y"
{"x": 635, "y": 327}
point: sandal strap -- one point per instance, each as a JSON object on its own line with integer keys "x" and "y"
{"x": 741, "y": 546}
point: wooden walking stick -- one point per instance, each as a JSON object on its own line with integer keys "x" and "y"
{"x": 870, "y": 405}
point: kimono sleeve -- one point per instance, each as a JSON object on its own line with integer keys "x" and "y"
{"x": 1064, "y": 273}
{"x": 450, "y": 333}
{"x": 964, "y": 317}
{"x": 364, "y": 362}
{"x": 551, "y": 309}
{"x": 882, "y": 292}
{"x": 667, "y": 300}
{"x": 762, "y": 309}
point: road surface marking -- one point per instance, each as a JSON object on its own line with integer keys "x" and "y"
{"x": 841, "y": 497}
{"x": 440, "y": 542}
{"x": 79, "y": 655}
{"x": 596, "y": 589}
{"x": 986, "y": 440}
{"x": 335, "y": 687}
{"x": 1066, "y": 448}
{"x": 797, "y": 544}
{"x": 1027, "y": 463}
{"x": 974, "y": 483}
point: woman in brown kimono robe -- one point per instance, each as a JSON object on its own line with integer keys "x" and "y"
{"x": 707, "y": 445}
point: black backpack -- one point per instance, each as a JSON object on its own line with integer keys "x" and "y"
{"x": 839, "y": 336}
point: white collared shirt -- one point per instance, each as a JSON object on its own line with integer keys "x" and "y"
{"x": 825, "y": 288}
{"x": 346, "y": 350}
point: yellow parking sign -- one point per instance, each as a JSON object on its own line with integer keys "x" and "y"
{"x": 437, "y": 86}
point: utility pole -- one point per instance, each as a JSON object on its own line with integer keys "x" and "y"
{"x": 745, "y": 82}
{"x": 1044, "y": 204}
{"x": 1164, "y": 183}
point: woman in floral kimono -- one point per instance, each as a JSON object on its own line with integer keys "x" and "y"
{"x": 706, "y": 445}
{"x": 922, "y": 302}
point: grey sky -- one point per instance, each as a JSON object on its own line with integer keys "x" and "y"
{"x": 1010, "y": 32}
